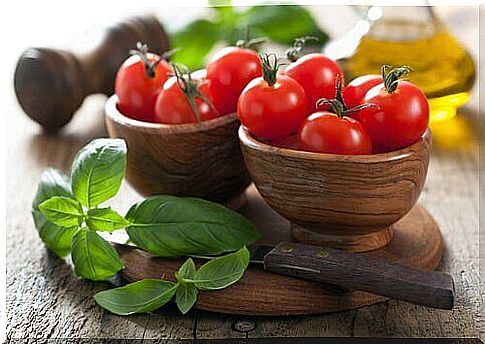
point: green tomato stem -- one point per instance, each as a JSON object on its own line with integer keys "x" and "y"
{"x": 294, "y": 52}
{"x": 270, "y": 68}
{"x": 391, "y": 76}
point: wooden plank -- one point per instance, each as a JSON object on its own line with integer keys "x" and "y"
{"x": 46, "y": 300}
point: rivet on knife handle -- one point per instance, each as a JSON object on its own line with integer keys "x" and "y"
{"x": 362, "y": 272}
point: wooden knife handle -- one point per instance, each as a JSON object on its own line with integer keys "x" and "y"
{"x": 51, "y": 84}
{"x": 362, "y": 272}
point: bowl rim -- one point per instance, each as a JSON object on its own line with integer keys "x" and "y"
{"x": 112, "y": 112}
{"x": 248, "y": 140}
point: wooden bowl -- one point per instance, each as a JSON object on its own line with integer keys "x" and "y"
{"x": 343, "y": 201}
{"x": 197, "y": 159}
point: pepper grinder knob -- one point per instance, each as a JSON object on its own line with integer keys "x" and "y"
{"x": 51, "y": 84}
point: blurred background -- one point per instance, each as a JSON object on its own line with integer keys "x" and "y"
{"x": 439, "y": 43}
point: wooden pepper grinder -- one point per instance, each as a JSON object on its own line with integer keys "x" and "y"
{"x": 51, "y": 84}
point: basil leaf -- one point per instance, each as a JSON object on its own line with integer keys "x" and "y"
{"x": 57, "y": 239}
{"x": 282, "y": 24}
{"x": 187, "y": 270}
{"x": 52, "y": 183}
{"x": 138, "y": 297}
{"x": 97, "y": 171}
{"x": 62, "y": 211}
{"x": 170, "y": 226}
{"x": 93, "y": 257}
{"x": 105, "y": 219}
{"x": 222, "y": 271}
{"x": 186, "y": 297}
{"x": 196, "y": 41}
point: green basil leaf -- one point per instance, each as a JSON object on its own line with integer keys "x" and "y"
{"x": 97, "y": 171}
{"x": 170, "y": 226}
{"x": 62, "y": 211}
{"x": 105, "y": 219}
{"x": 222, "y": 271}
{"x": 93, "y": 257}
{"x": 186, "y": 292}
{"x": 186, "y": 297}
{"x": 282, "y": 24}
{"x": 52, "y": 183}
{"x": 196, "y": 41}
{"x": 57, "y": 239}
{"x": 187, "y": 270}
{"x": 138, "y": 297}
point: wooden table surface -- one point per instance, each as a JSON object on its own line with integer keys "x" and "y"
{"x": 45, "y": 299}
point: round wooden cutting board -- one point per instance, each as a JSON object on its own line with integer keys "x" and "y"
{"x": 417, "y": 242}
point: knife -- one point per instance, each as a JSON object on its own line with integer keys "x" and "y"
{"x": 355, "y": 271}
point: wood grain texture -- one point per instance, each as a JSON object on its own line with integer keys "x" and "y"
{"x": 344, "y": 201}
{"x": 198, "y": 160}
{"x": 46, "y": 300}
{"x": 51, "y": 84}
{"x": 417, "y": 242}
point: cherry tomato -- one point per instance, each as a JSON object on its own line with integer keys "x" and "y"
{"x": 326, "y": 132}
{"x": 272, "y": 106}
{"x": 377, "y": 149}
{"x": 399, "y": 118}
{"x": 354, "y": 93}
{"x": 173, "y": 105}
{"x": 272, "y": 111}
{"x": 317, "y": 74}
{"x": 230, "y": 70}
{"x": 288, "y": 142}
{"x": 138, "y": 83}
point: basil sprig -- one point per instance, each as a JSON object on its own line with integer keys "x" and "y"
{"x": 68, "y": 214}
{"x": 149, "y": 294}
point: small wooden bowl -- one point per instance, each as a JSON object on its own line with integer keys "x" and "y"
{"x": 197, "y": 159}
{"x": 343, "y": 201}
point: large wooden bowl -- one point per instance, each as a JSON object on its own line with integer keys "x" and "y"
{"x": 344, "y": 201}
{"x": 197, "y": 160}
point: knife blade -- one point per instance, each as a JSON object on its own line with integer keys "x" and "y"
{"x": 355, "y": 271}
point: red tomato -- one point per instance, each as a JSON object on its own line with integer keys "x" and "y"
{"x": 173, "y": 106}
{"x": 317, "y": 74}
{"x": 288, "y": 142}
{"x": 399, "y": 118}
{"x": 376, "y": 149}
{"x": 137, "y": 89}
{"x": 354, "y": 93}
{"x": 326, "y": 132}
{"x": 272, "y": 111}
{"x": 230, "y": 70}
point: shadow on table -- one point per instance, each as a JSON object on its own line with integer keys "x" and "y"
{"x": 58, "y": 149}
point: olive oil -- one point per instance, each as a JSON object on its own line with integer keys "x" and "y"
{"x": 441, "y": 67}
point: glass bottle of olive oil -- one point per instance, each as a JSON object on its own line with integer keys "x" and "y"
{"x": 415, "y": 37}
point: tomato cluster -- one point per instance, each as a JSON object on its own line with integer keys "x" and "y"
{"x": 304, "y": 107}
{"x": 152, "y": 90}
